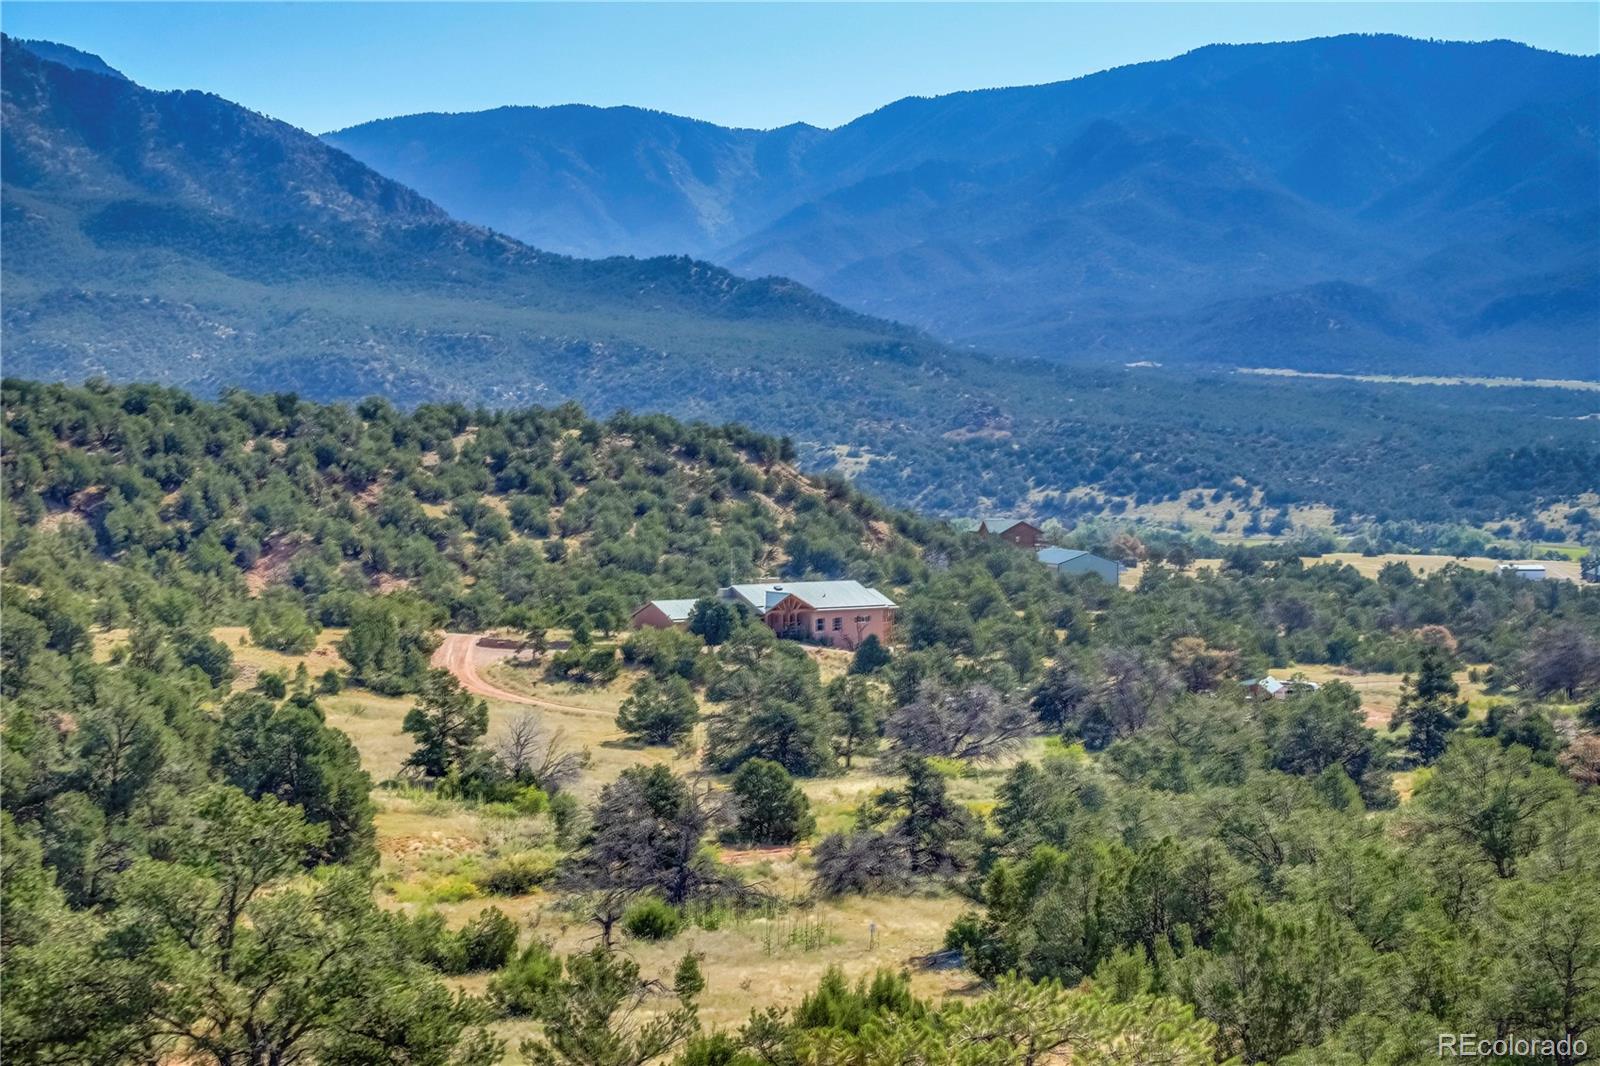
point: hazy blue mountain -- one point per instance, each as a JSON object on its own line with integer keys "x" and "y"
{"x": 591, "y": 181}
{"x": 69, "y": 56}
{"x": 179, "y": 237}
{"x": 1226, "y": 205}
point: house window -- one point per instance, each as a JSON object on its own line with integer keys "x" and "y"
{"x": 819, "y": 625}
{"x": 838, "y": 624}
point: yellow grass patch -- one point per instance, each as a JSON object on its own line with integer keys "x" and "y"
{"x": 372, "y": 723}
{"x": 1380, "y": 692}
{"x": 758, "y": 962}
{"x": 250, "y": 660}
{"x": 1369, "y": 565}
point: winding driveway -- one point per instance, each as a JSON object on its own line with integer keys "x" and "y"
{"x": 461, "y": 655}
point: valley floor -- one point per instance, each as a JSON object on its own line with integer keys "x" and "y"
{"x": 1370, "y": 565}
{"x": 1393, "y": 379}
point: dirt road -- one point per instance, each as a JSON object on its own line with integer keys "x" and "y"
{"x": 751, "y": 856}
{"x": 461, "y": 655}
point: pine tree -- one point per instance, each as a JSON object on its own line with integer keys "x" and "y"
{"x": 856, "y": 716}
{"x": 1429, "y": 707}
{"x": 448, "y": 722}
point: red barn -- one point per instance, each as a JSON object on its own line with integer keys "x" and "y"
{"x": 1016, "y": 531}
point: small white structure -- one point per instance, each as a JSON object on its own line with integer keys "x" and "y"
{"x": 1270, "y": 688}
{"x": 1526, "y": 571}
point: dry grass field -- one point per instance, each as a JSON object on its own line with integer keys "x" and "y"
{"x": 1226, "y": 519}
{"x": 758, "y": 962}
{"x": 1380, "y": 693}
{"x": 251, "y": 660}
{"x": 586, "y": 719}
{"x": 1370, "y": 565}
{"x": 429, "y": 849}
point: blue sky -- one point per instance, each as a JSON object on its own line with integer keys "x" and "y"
{"x": 322, "y": 66}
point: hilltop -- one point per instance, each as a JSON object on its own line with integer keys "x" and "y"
{"x": 490, "y": 516}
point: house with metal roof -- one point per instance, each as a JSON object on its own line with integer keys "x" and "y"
{"x": 838, "y": 613}
{"x": 1018, "y": 531}
{"x": 1073, "y": 561}
{"x": 1526, "y": 571}
{"x": 663, "y": 614}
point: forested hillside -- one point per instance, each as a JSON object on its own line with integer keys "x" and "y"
{"x": 1349, "y": 203}
{"x": 219, "y": 619}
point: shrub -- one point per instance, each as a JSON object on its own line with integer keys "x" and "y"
{"x": 567, "y": 813}
{"x": 272, "y": 684}
{"x": 652, "y": 919}
{"x": 860, "y": 863}
{"x": 279, "y": 622}
{"x": 515, "y": 989}
{"x": 712, "y": 620}
{"x": 529, "y": 516}
{"x": 714, "y": 1049}
{"x": 451, "y": 888}
{"x": 487, "y": 941}
{"x": 659, "y": 711}
{"x": 426, "y": 939}
{"x": 772, "y": 809}
{"x": 664, "y": 652}
{"x": 531, "y": 800}
{"x": 870, "y": 657}
{"x": 517, "y": 875}
{"x": 585, "y": 665}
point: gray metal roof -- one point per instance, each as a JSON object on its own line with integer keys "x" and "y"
{"x": 1057, "y": 556}
{"x": 821, "y": 595}
{"x": 1000, "y": 525}
{"x": 677, "y": 610}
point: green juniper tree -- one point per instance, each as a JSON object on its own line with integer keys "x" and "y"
{"x": 1428, "y": 706}
{"x": 659, "y": 711}
{"x": 447, "y": 722}
{"x": 770, "y": 808}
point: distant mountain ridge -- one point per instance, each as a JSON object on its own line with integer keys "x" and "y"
{"x": 1349, "y": 203}
{"x": 200, "y": 218}
{"x": 635, "y": 181}
{"x": 69, "y": 56}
